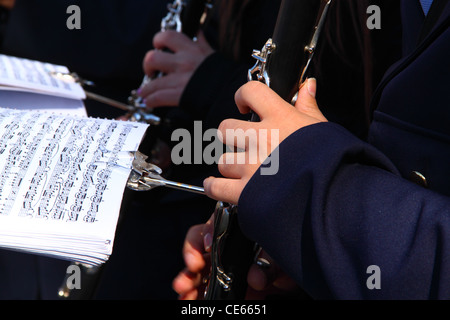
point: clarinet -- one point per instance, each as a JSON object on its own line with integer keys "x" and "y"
{"x": 184, "y": 16}
{"x": 282, "y": 64}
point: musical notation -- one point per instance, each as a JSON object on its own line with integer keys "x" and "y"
{"x": 33, "y": 75}
{"x": 29, "y": 85}
{"x": 63, "y": 170}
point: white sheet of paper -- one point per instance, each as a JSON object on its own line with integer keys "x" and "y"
{"x": 62, "y": 180}
{"x": 29, "y": 85}
{"x": 15, "y": 98}
{"x": 35, "y": 76}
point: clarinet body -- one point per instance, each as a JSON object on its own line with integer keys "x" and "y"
{"x": 231, "y": 257}
{"x": 183, "y": 16}
{"x": 282, "y": 65}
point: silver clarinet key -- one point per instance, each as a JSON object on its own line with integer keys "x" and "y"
{"x": 145, "y": 176}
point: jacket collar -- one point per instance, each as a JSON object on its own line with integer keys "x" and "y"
{"x": 442, "y": 23}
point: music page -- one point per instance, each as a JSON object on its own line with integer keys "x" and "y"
{"x": 62, "y": 180}
{"x": 35, "y": 76}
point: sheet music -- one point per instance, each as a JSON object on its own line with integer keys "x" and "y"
{"x": 62, "y": 180}
{"x": 34, "y": 76}
{"x": 21, "y": 100}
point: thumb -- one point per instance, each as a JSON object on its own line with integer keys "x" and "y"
{"x": 306, "y": 100}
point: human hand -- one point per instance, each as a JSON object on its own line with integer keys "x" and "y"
{"x": 176, "y": 67}
{"x": 196, "y": 253}
{"x": 263, "y": 279}
{"x": 8, "y": 4}
{"x": 278, "y": 120}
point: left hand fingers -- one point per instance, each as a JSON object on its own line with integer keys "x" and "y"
{"x": 259, "y": 278}
{"x": 172, "y": 40}
{"x": 234, "y": 165}
{"x": 260, "y": 98}
{"x": 162, "y": 98}
{"x": 158, "y": 61}
{"x": 221, "y": 189}
{"x": 186, "y": 284}
{"x": 238, "y": 133}
{"x": 266, "y": 273}
{"x": 163, "y": 91}
{"x": 155, "y": 84}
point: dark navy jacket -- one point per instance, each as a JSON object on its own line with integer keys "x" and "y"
{"x": 339, "y": 205}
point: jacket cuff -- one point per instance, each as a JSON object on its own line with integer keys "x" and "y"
{"x": 291, "y": 187}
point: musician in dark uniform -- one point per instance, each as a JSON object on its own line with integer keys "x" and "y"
{"x": 203, "y": 83}
{"x": 348, "y": 218}
{"x": 160, "y": 218}
{"x": 108, "y": 50}
{"x": 154, "y": 225}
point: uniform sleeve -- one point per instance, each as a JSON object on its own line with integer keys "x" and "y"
{"x": 337, "y": 206}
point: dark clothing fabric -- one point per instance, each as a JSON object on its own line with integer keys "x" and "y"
{"x": 343, "y": 205}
